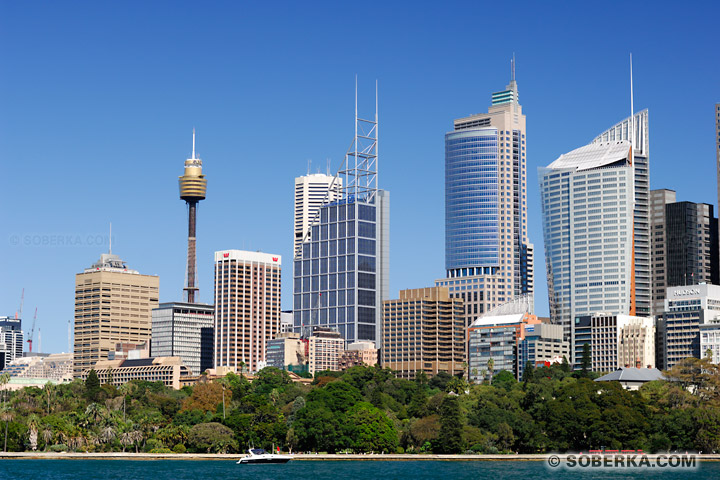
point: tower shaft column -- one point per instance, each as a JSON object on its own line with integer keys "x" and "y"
{"x": 191, "y": 257}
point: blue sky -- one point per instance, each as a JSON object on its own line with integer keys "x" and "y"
{"x": 98, "y": 101}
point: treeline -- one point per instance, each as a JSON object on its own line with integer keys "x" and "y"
{"x": 369, "y": 409}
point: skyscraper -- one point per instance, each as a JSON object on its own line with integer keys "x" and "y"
{"x": 587, "y": 208}
{"x": 684, "y": 245}
{"x": 311, "y": 192}
{"x": 340, "y": 278}
{"x": 247, "y": 307}
{"x": 717, "y": 150}
{"x": 488, "y": 256}
{"x": 184, "y": 330}
{"x": 193, "y": 186}
{"x": 112, "y": 305}
{"x": 637, "y": 129}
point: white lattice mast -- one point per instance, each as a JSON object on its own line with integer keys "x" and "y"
{"x": 361, "y": 160}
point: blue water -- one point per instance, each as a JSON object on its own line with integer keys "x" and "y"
{"x": 365, "y": 470}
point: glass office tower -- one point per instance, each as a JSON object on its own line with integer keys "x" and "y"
{"x": 488, "y": 256}
{"x": 341, "y": 276}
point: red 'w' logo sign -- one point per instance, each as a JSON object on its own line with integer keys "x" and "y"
{"x": 275, "y": 259}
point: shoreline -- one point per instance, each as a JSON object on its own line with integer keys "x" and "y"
{"x": 298, "y": 457}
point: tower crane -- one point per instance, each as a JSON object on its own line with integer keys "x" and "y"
{"x": 22, "y": 301}
{"x": 32, "y": 330}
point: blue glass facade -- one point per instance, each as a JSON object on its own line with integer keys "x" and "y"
{"x": 338, "y": 276}
{"x": 471, "y": 198}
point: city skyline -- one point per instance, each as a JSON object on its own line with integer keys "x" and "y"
{"x": 89, "y": 116}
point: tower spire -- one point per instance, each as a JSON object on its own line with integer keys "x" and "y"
{"x": 193, "y": 151}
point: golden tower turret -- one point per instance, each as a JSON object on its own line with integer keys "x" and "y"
{"x": 193, "y": 186}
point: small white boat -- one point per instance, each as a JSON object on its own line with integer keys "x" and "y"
{"x": 258, "y": 455}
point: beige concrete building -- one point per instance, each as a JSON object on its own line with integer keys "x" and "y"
{"x": 287, "y": 352}
{"x": 424, "y": 330}
{"x": 325, "y": 346}
{"x": 359, "y": 353}
{"x": 621, "y": 341}
{"x": 247, "y": 307}
{"x": 168, "y": 370}
{"x": 56, "y": 366}
{"x": 113, "y": 304}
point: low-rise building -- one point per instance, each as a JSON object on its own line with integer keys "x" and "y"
{"x": 710, "y": 341}
{"x": 494, "y": 343}
{"x": 324, "y": 347}
{"x": 632, "y": 378}
{"x": 288, "y": 352}
{"x": 615, "y": 341}
{"x": 543, "y": 344}
{"x": 359, "y": 353}
{"x": 168, "y": 370}
{"x": 687, "y": 308}
{"x": 57, "y": 367}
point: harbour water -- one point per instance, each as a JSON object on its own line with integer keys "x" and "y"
{"x": 25, "y": 469}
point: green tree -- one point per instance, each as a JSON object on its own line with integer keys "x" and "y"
{"x": 371, "y": 430}
{"x": 505, "y": 436}
{"x": 92, "y": 386}
{"x": 451, "y": 426}
{"x": 528, "y": 372}
{"x": 504, "y": 380}
{"x": 491, "y": 367}
{"x": 211, "y": 438}
{"x": 586, "y": 363}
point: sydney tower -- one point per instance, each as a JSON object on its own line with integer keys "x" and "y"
{"x": 193, "y": 186}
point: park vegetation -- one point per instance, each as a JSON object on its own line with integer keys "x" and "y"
{"x": 369, "y": 409}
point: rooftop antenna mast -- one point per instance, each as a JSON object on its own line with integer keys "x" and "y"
{"x": 512, "y": 68}
{"x": 632, "y": 109}
{"x": 110, "y": 240}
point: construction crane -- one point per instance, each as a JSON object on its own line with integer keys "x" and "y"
{"x": 22, "y": 301}
{"x": 32, "y": 330}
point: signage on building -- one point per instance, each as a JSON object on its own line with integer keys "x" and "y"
{"x": 226, "y": 255}
{"x": 686, "y": 292}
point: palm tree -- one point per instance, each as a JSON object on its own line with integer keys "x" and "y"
{"x": 49, "y": 390}
{"x": 33, "y": 423}
{"x": 107, "y": 434}
{"x": 94, "y": 411}
{"x": 126, "y": 439}
{"x": 4, "y": 380}
{"x": 6, "y": 414}
{"x": 137, "y": 437}
{"x": 491, "y": 366}
{"x": 47, "y": 435}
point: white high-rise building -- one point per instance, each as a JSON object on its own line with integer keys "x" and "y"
{"x": 587, "y": 206}
{"x": 311, "y": 192}
{"x": 636, "y": 128}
